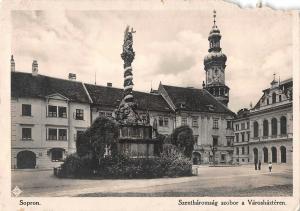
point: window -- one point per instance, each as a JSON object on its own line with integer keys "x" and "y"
{"x": 274, "y": 97}
{"x": 62, "y": 134}
{"x": 79, "y": 114}
{"x": 265, "y": 128}
{"x": 248, "y": 136}
{"x": 52, "y": 111}
{"x": 166, "y": 121}
{"x": 279, "y": 98}
{"x": 236, "y": 137}
{"x": 268, "y": 101}
{"x": 255, "y": 126}
{"x": 215, "y": 141}
{"x": 247, "y": 125}
{"x": 237, "y": 151}
{"x": 56, "y": 155}
{"x": 160, "y": 121}
{"x": 228, "y": 124}
{"x": 283, "y": 125}
{"x": 243, "y": 126}
{"x": 237, "y": 127}
{"x": 196, "y": 139}
{"x": 229, "y": 141}
{"x": 243, "y": 150}
{"x": 26, "y": 133}
{"x": 274, "y": 126}
{"x": 215, "y": 124}
{"x": 62, "y": 112}
{"x": 52, "y": 134}
{"x": 183, "y": 121}
{"x": 243, "y": 137}
{"x": 26, "y": 110}
{"x": 195, "y": 121}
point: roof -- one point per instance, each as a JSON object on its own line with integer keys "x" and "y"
{"x": 110, "y": 96}
{"x": 40, "y": 86}
{"x": 192, "y": 99}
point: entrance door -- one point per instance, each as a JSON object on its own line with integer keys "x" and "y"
{"x": 26, "y": 160}
{"x": 283, "y": 154}
{"x": 274, "y": 155}
{"x": 196, "y": 158}
{"x": 265, "y": 150}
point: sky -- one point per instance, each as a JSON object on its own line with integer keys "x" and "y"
{"x": 169, "y": 44}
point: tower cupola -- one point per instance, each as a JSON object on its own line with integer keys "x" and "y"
{"x": 215, "y": 64}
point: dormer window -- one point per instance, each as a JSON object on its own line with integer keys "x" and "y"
{"x": 274, "y": 97}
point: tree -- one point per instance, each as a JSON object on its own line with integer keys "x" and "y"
{"x": 83, "y": 143}
{"x": 102, "y": 134}
{"x": 183, "y": 138}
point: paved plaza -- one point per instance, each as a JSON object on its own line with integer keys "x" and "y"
{"x": 210, "y": 181}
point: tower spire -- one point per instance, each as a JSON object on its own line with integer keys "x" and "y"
{"x": 12, "y": 64}
{"x": 215, "y": 64}
{"x": 215, "y": 15}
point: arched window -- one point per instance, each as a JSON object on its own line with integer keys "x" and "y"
{"x": 255, "y": 125}
{"x": 283, "y": 125}
{"x": 274, "y": 97}
{"x": 274, "y": 126}
{"x": 266, "y": 156}
{"x": 283, "y": 154}
{"x": 274, "y": 154}
{"x": 265, "y": 128}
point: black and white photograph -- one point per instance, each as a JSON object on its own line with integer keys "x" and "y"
{"x": 192, "y": 101}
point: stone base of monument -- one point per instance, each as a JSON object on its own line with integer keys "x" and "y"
{"x": 138, "y": 141}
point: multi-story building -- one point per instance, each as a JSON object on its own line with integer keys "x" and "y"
{"x": 210, "y": 120}
{"x": 46, "y": 115}
{"x": 241, "y": 127}
{"x": 149, "y": 105}
{"x": 271, "y": 124}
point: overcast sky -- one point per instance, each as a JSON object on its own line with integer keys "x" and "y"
{"x": 170, "y": 46}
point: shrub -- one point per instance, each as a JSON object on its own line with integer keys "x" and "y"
{"x": 183, "y": 138}
{"x": 75, "y": 166}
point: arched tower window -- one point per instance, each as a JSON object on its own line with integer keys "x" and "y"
{"x": 283, "y": 125}
{"x": 274, "y": 126}
{"x": 255, "y": 125}
{"x": 274, "y": 97}
{"x": 265, "y": 128}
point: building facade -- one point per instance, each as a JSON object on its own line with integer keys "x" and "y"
{"x": 210, "y": 120}
{"x": 241, "y": 127}
{"x": 46, "y": 116}
{"x": 271, "y": 124}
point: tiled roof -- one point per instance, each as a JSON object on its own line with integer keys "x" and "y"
{"x": 192, "y": 99}
{"x": 111, "y": 97}
{"x": 40, "y": 86}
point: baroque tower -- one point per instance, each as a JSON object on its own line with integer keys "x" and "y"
{"x": 214, "y": 66}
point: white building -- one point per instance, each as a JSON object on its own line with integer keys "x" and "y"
{"x": 46, "y": 115}
{"x": 271, "y": 124}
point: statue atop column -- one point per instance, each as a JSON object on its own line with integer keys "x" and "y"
{"x": 126, "y": 113}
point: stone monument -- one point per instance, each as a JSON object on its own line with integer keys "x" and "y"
{"x": 135, "y": 135}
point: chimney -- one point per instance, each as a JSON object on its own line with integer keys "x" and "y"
{"x": 35, "y": 68}
{"x": 12, "y": 64}
{"x": 109, "y": 84}
{"x": 72, "y": 77}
